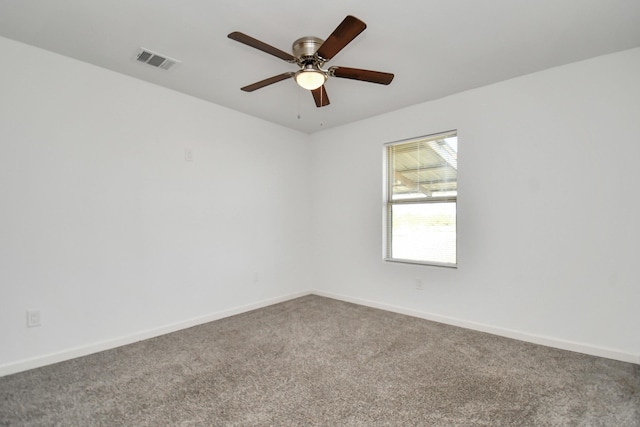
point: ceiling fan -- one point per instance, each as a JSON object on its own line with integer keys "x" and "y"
{"x": 310, "y": 54}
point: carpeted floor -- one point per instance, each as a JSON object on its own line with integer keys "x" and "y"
{"x": 317, "y": 361}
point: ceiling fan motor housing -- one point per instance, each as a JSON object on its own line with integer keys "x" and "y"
{"x": 305, "y": 48}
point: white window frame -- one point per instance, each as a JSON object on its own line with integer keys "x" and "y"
{"x": 389, "y": 203}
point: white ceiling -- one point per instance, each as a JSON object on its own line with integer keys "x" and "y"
{"x": 434, "y": 47}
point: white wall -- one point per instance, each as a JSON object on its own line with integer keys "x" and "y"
{"x": 105, "y": 227}
{"x": 548, "y": 213}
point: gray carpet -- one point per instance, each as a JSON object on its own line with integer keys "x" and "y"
{"x": 317, "y": 361}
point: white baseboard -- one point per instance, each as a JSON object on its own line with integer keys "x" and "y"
{"x": 508, "y": 333}
{"x": 85, "y": 350}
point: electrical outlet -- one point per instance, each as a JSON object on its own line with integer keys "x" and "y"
{"x": 33, "y": 318}
{"x": 419, "y": 284}
{"x": 188, "y": 154}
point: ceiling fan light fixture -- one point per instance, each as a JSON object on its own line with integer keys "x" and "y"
{"x": 311, "y": 54}
{"x": 310, "y": 77}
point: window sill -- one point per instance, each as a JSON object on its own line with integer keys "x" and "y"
{"x": 427, "y": 263}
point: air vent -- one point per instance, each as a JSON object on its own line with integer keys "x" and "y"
{"x": 155, "y": 59}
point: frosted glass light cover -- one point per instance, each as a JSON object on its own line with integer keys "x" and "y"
{"x": 310, "y": 79}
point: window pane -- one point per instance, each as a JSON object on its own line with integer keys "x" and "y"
{"x": 425, "y": 168}
{"x": 424, "y": 232}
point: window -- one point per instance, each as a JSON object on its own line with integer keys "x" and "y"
{"x": 421, "y": 201}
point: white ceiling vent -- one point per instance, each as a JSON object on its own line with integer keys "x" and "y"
{"x": 155, "y": 59}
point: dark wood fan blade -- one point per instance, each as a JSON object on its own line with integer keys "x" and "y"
{"x": 320, "y": 96}
{"x": 348, "y": 30}
{"x": 364, "y": 75}
{"x": 257, "y": 44}
{"x": 266, "y": 82}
